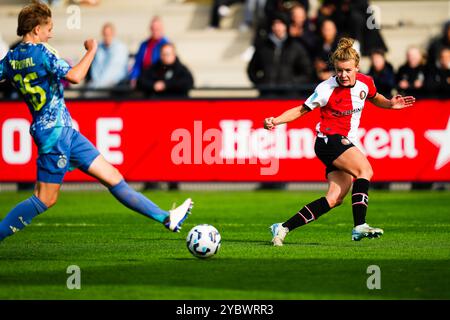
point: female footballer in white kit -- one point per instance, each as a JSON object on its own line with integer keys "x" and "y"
{"x": 341, "y": 100}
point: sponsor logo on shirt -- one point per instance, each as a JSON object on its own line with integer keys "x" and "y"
{"x": 338, "y": 113}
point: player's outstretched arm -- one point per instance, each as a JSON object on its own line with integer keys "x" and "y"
{"x": 397, "y": 102}
{"x": 287, "y": 116}
{"x": 79, "y": 71}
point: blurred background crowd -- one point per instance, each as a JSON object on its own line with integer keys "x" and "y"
{"x": 243, "y": 48}
{"x": 279, "y": 48}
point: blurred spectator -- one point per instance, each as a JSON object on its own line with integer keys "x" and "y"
{"x": 327, "y": 11}
{"x": 253, "y": 11}
{"x": 351, "y": 18}
{"x": 167, "y": 77}
{"x": 279, "y": 61}
{"x": 436, "y": 45}
{"x": 6, "y": 88}
{"x": 382, "y": 73}
{"x": 220, "y": 8}
{"x": 349, "y": 21}
{"x": 149, "y": 50}
{"x": 3, "y": 47}
{"x": 272, "y": 9}
{"x": 326, "y": 44}
{"x": 301, "y": 29}
{"x": 438, "y": 78}
{"x": 371, "y": 37}
{"x": 110, "y": 65}
{"x": 411, "y": 75}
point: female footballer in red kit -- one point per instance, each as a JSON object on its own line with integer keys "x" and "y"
{"x": 341, "y": 100}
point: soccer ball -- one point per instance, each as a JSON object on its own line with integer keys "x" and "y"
{"x": 203, "y": 241}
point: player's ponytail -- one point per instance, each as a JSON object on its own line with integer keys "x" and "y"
{"x": 345, "y": 51}
{"x": 34, "y": 14}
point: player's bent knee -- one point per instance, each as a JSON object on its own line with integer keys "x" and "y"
{"x": 116, "y": 177}
{"x": 113, "y": 178}
{"x": 338, "y": 203}
{"x": 368, "y": 173}
{"x": 48, "y": 201}
{"x": 364, "y": 173}
{"x": 333, "y": 201}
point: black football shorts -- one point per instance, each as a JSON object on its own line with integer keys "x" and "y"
{"x": 330, "y": 148}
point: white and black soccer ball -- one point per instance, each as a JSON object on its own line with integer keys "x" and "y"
{"x": 203, "y": 241}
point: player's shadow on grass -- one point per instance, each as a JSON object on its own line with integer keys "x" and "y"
{"x": 150, "y": 239}
{"x": 269, "y": 243}
{"x": 260, "y": 242}
{"x": 275, "y": 277}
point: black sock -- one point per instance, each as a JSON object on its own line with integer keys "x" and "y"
{"x": 308, "y": 213}
{"x": 360, "y": 200}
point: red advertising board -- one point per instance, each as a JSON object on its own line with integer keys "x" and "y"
{"x": 223, "y": 140}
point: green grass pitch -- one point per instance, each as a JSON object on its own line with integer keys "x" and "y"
{"x": 123, "y": 255}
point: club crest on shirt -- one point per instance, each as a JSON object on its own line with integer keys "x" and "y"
{"x": 362, "y": 94}
{"x": 62, "y": 161}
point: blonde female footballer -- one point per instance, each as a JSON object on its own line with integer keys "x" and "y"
{"x": 341, "y": 100}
